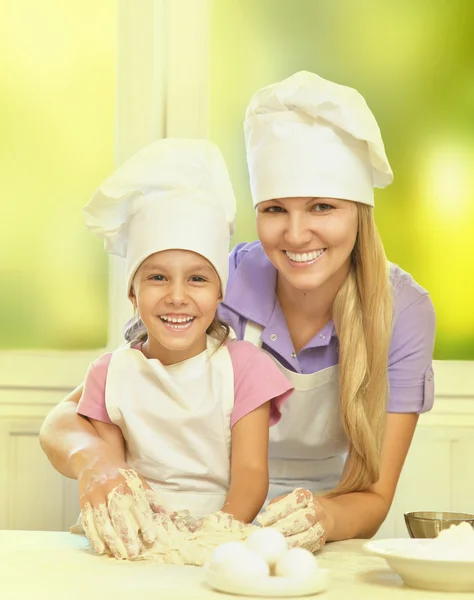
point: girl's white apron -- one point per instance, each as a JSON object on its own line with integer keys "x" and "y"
{"x": 176, "y": 422}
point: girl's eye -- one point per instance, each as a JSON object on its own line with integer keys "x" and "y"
{"x": 157, "y": 277}
{"x": 274, "y": 209}
{"x": 322, "y": 207}
{"x": 198, "y": 279}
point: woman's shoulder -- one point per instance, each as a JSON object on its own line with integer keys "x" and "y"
{"x": 406, "y": 291}
{"x": 240, "y": 251}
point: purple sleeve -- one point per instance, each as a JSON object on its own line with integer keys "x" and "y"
{"x": 92, "y": 402}
{"x": 234, "y": 320}
{"x": 410, "y": 369}
{"x": 256, "y": 380}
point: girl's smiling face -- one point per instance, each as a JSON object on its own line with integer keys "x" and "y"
{"x": 176, "y": 293}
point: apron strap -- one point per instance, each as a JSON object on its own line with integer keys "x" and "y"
{"x": 252, "y": 334}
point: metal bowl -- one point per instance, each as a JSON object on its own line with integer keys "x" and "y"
{"x": 429, "y": 524}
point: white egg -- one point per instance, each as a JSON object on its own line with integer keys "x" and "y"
{"x": 226, "y": 553}
{"x": 269, "y": 543}
{"x": 297, "y": 563}
{"x": 236, "y": 561}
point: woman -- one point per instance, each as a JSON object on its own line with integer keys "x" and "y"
{"x": 353, "y": 333}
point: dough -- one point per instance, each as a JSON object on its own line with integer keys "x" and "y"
{"x": 176, "y": 541}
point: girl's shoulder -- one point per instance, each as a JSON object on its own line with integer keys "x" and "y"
{"x": 241, "y": 351}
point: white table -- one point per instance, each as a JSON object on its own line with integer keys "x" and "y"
{"x": 40, "y": 565}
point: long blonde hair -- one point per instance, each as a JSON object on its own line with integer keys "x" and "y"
{"x": 362, "y": 315}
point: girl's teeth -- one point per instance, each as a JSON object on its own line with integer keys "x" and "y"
{"x": 176, "y": 319}
{"x": 305, "y": 256}
{"x": 177, "y": 322}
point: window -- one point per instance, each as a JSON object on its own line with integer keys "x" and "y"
{"x": 57, "y": 123}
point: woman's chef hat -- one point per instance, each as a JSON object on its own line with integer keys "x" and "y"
{"x": 172, "y": 194}
{"x": 309, "y": 137}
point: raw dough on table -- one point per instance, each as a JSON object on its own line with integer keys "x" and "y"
{"x": 175, "y": 543}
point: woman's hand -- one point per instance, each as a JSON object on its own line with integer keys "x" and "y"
{"x": 301, "y": 518}
{"x": 117, "y": 513}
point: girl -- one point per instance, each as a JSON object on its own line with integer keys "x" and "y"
{"x": 180, "y": 404}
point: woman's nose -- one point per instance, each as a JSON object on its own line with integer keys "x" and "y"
{"x": 297, "y": 231}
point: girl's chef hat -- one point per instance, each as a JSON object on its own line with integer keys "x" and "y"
{"x": 172, "y": 194}
{"x": 309, "y": 137}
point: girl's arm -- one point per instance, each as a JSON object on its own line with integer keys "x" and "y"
{"x": 249, "y": 465}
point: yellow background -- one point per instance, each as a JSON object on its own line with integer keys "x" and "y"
{"x": 413, "y": 61}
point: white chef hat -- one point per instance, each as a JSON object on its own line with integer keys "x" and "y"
{"x": 172, "y": 194}
{"x": 309, "y": 137}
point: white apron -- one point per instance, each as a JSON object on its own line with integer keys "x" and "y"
{"x": 176, "y": 423}
{"x": 308, "y": 447}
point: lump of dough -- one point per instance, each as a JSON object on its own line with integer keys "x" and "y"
{"x": 269, "y": 543}
{"x": 297, "y": 563}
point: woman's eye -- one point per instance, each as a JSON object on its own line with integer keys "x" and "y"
{"x": 197, "y": 279}
{"x": 322, "y": 207}
{"x": 157, "y": 277}
{"x": 274, "y": 209}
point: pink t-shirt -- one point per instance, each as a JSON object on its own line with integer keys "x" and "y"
{"x": 257, "y": 380}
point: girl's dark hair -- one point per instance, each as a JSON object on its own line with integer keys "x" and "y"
{"x": 135, "y": 331}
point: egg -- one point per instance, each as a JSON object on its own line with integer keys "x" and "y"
{"x": 236, "y": 561}
{"x": 269, "y": 543}
{"x": 297, "y": 563}
{"x": 226, "y": 553}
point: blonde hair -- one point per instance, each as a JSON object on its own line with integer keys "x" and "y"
{"x": 362, "y": 315}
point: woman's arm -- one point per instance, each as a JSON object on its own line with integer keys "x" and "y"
{"x": 70, "y": 441}
{"x": 75, "y": 449}
{"x": 112, "y": 436}
{"x": 309, "y": 521}
{"x": 360, "y": 514}
{"x": 249, "y": 465}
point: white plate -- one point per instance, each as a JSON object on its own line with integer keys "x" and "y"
{"x": 424, "y": 573}
{"x": 277, "y": 587}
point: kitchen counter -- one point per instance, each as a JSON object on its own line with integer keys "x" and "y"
{"x": 45, "y": 565}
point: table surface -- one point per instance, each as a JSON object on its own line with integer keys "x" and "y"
{"x": 45, "y": 565}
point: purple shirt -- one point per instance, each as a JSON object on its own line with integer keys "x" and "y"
{"x": 251, "y": 296}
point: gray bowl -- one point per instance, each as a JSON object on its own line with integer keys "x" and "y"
{"x": 429, "y": 524}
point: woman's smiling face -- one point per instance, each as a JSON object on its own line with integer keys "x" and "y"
{"x": 308, "y": 240}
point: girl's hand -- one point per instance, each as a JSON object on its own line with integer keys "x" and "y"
{"x": 117, "y": 515}
{"x": 300, "y": 517}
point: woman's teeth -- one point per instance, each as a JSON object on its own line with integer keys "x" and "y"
{"x": 305, "y": 256}
{"x": 177, "y": 322}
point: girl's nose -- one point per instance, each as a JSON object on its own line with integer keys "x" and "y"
{"x": 177, "y": 294}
